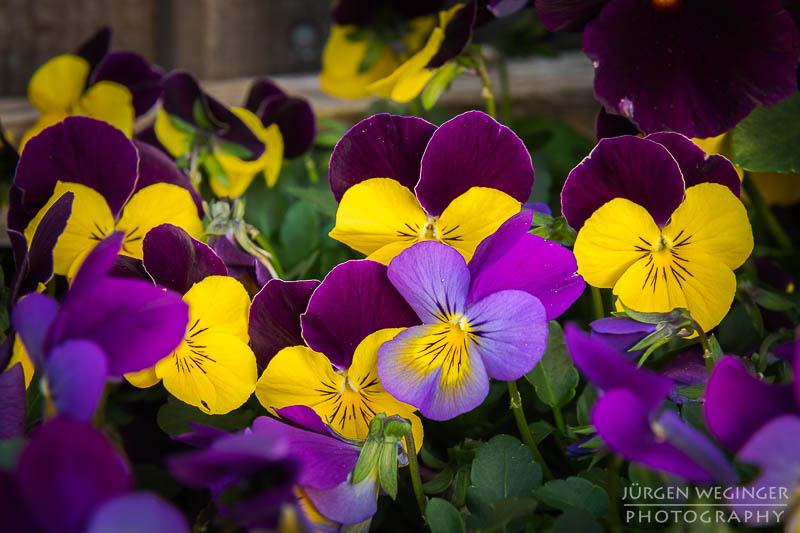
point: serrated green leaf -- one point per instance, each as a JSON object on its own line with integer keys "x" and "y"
{"x": 767, "y": 140}
{"x": 442, "y": 517}
{"x": 554, "y": 377}
{"x": 573, "y": 493}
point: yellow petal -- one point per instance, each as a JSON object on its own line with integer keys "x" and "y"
{"x": 721, "y": 145}
{"x": 616, "y": 235}
{"x": 220, "y": 304}
{"x": 215, "y": 372}
{"x": 341, "y": 62}
{"x": 58, "y": 84}
{"x": 44, "y": 121}
{"x": 363, "y": 373}
{"x": 110, "y": 102}
{"x": 170, "y": 137}
{"x": 20, "y": 355}
{"x": 152, "y": 206}
{"x": 143, "y": 378}
{"x": 241, "y": 173}
{"x": 778, "y": 189}
{"x": 91, "y": 220}
{"x": 473, "y": 216}
{"x": 377, "y": 212}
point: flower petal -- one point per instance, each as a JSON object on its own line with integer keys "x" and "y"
{"x": 347, "y": 503}
{"x": 132, "y": 71}
{"x": 640, "y": 170}
{"x": 12, "y": 411}
{"x": 157, "y": 167}
{"x": 381, "y": 146}
{"x": 31, "y": 318}
{"x": 570, "y": 15}
{"x": 76, "y": 373}
{"x": 473, "y": 150}
{"x": 294, "y": 118}
{"x": 110, "y": 102}
{"x": 457, "y": 33}
{"x": 59, "y": 83}
{"x": 354, "y": 300}
{"x": 274, "y": 321}
{"x": 138, "y": 511}
{"x": 219, "y": 304}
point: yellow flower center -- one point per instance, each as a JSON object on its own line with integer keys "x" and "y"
{"x": 665, "y": 260}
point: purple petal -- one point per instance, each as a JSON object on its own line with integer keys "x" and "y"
{"x": 12, "y": 408}
{"x": 16, "y": 517}
{"x": 326, "y": 461}
{"x": 538, "y": 207}
{"x": 796, "y": 367}
{"x": 621, "y": 333}
{"x": 542, "y": 268}
{"x": 80, "y": 150}
{"x": 608, "y": 125}
{"x": 570, "y": 15}
{"x": 294, "y": 118}
{"x": 511, "y": 327}
{"x": 502, "y": 8}
{"x": 32, "y": 318}
{"x": 138, "y": 511}
{"x": 623, "y": 422}
{"x": 457, "y": 35}
{"x": 135, "y": 323}
{"x": 685, "y": 370}
{"x": 697, "y": 166}
{"x": 177, "y": 261}
{"x": 96, "y": 266}
{"x": 354, "y": 300}
{"x": 496, "y": 245}
{"x": 155, "y": 166}
{"x": 95, "y": 48}
{"x": 608, "y": 369}
{"x": 629, "y": 167}
{"x": 275, "y": 313}
{"x": 687, "y": 69}
{"x": 76, "y": 372}
{"x": 261, "y": 89}
{"x": 473, "y": 150}
{"x": 201, "y": 436}
{"x": 67, "y": 471}
{"x": 133, "y": 71}
{"x": 434, "y": 280}
{"x": 128, "y": 267}
{"x": 381, "y": 146}
{"x": 305, "y": 417}
{"x": 347, "y": 503}
{"x": 737, "y": 403}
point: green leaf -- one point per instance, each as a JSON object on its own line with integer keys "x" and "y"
{"x": 692, "y": 392}
{"x": 200, "y": 116}
{"x": 576, "y": 520}
{"x": 503, "y": 468}
{"x": 214, "y": 169}
{"x": 330, "y": 131}
{"x": 299, "y": 233}
{"x": 540, "y": 430}
{"x": 236, "y": 150}
{"x": 573, "y": 492}
{"x": 10, "y": 450}
{"x": 554, "y": 377}
{"x": 442, "y": 517}
{"x": 773, "y": 301}
{"x": 585, "y": 403}
{"x": 439, "y": 484}
{"x": 440, "y": 81}
{"x": 174, "y": 416}
{"x": 767, "y": 140}
{"x": 322, "y": 199}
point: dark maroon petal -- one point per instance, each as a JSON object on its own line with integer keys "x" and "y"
{"x": 569, "y": 15}
{"x": 66, "y": 471}
{"x": 177, "y": 261}
{"x": 457, "y": 35}
{"x": 12, "y": 408}
{"x": 294, "y": 118}
{"x": 18, "y": 216}
{"x": 696, "y": 166}
{"x": 95, "y": 47}
{"x": 629, "y": 167}
{"x": 133, "y": 71}
{"x": 737, "y": 403}
{"x": 608, "y": 125}
{"x": 80, "y": 150}
{"x": 354, "y": 300}
{"x": 473, "y": 150}
{"x": 16, "y": 517}
{"x": 261, "y": 90}
{"x": 687, "y": 68}
{"x": 155, "y": 166}
{"x": 128, "y": 267}
{"x": 275, "y": 317}
{"x": 382, "y": 146}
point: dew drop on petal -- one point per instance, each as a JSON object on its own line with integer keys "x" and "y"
{"x": 626, "y": 107}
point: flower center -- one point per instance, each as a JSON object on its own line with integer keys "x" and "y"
{"x": 666, "y": 5}
{"x": 429, "y": 231}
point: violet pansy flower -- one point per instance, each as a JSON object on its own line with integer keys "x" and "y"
{"x": 292, "y": 114}
{"x": 485, "y": 319}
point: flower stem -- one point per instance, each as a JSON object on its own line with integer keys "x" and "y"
{"x": 413, "y": 468}
{"x": 559, "y": 420}
{"x": 524, "y": 430}
{"x": 311, "y": 168}
{"x": 597, "y": 303}
{"x": 769, "y": 219}
{"x": 487, "y": 92}
{"x": 707, "y": 354}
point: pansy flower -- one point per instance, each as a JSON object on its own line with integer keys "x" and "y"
{"x": 69, "y": 479}
{"x": 485, "y": 319}
{"x": 660, "y": 223}
{"x": 401, "y": 180}
{"x": 105, "y": 327}
{"x": 292, "y": 114}
{"x": 327, "y": 357}
{"x": 114, "y": 87}
{"x": 697, "y": 68}
{"x": 213, "y": 368}
{"x": 630, "y": 418}
{"x": 117, "y": 185}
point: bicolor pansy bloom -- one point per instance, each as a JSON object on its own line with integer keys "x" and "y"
{"x": 630, "y": 416}
{"x": 660, "y": 223}
{"x": 486, "y": 319}
{"x": 213, "y": 368}
{"x": 114, "y": 87}
{"x": 118, "y": 185}
{"x": 681, "y": 66}
{"x": 401, "y": 180}
{"x": 327, "y": 357}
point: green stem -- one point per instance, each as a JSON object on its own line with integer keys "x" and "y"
{"x": 597, "y": 303}
{"x": 194, "y": 167}
{"x": 769, "y": 219}
{"x": 524, "y": 430}
{"x": 311, "y": 168}
{"x": 559, "y": 420}
{"x": 707, "y": 354}
{"x": 487, "y": 92}
{"x": 413, "y": 469}
{"x": 614, "y": 523}
{"x": 264, "y": 244}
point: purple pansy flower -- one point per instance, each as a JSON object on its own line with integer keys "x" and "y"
{"x": 629, "y": 419}
{"x": 292, "y": 114}
{"x": 485, "y": 319}
{"x": 69, "y": 479}
{"x": 697, "y": 68}
{"x": 104, "y": 328}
